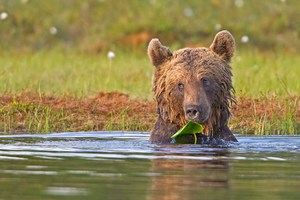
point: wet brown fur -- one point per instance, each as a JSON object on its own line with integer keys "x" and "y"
{"x": 189, "y": 67}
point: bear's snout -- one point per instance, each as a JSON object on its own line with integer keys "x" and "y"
{"x": 195, "y": 113}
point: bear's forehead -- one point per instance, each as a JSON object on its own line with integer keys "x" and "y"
{"x": 195, "y": 57}
{"x": 191, "y": 54}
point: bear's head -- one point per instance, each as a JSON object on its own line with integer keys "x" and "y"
{"x": 194, "y": 83}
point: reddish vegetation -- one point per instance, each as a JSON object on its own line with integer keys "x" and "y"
{"x": 249, "y": 110}
{"x": 135, "y": 40}
{"x": 95, "y": 113}
{"x": 82, "y": 114}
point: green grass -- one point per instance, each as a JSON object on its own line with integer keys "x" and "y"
{"x": 57, "y": 73}
{"x": 31, "y": 117}
{"x": 259, "y": 74}
{"x": 122, "y": 121}
{"x": 75, "y": 74}
{"x": 276, "y": 122}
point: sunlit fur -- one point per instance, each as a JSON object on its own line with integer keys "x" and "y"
{"x": 188, "y": 68}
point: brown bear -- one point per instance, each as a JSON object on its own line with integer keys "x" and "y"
{"x": 193, "y": 84}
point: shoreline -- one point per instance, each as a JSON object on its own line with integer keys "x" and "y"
{"x": 27, "y": 112}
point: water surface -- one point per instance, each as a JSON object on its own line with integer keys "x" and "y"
{"x": 124, "y": 165}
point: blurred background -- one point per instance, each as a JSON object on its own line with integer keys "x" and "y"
{"x": 95, "y": 26}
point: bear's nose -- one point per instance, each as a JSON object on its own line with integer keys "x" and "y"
{"x": 193, "y": 112}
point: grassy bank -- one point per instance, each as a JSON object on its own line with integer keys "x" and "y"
{"x": 57, "y": 52}
{"x": 65, "y": 87}
{"x": 32, "y": 113}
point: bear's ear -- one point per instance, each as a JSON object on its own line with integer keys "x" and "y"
{"x": 157, "y": 52}
{"x": 223, "y": 45}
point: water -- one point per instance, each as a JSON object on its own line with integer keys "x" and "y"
{"x": 124, "y": 165}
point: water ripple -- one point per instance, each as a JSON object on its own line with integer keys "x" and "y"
{"x": 135, "y": 145}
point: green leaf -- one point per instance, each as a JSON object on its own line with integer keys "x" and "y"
{"x": 190, "y": 128}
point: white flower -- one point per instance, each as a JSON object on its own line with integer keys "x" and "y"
{"x": 152, "y": 2}
{"x": 218, "y": 27}
{"x": 255, "y": 66}
{"x": 188, "y": 12}
{"x": 111, "y": 55}
{"x": 245, "y": 39}
{"x": 53, "y": 30}
{"x": 239, "y": 3}
{"x": 3, "y": 15}
{"x": 24, "y": 1}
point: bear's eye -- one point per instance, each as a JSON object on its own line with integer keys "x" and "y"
{"x": 224, "y": 86}
{"x": 180, "y": 87}
{"x": 205, "y": 82}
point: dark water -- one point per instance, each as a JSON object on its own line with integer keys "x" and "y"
{"x": 124, "y": 165}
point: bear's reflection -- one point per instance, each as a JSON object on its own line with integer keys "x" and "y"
{"x": 188, "y": 178}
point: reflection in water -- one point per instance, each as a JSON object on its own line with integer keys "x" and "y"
{"x": 188, "y": 179}
{"x": 126, "y": 166}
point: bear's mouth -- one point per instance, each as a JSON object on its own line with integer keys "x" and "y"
{"x": 198, "y": 120}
